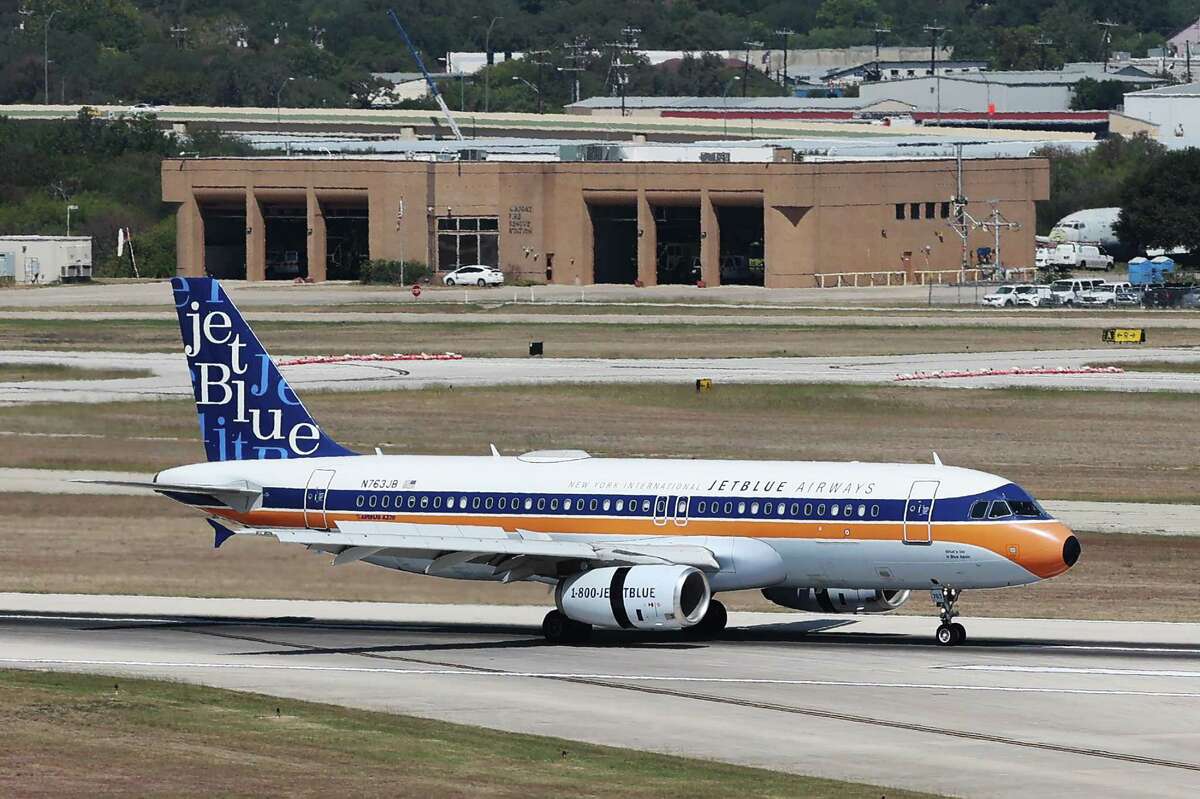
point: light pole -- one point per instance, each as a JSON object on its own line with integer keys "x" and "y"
{"x": 487, "y": 63}
{"x": 279, "y": 97}
{"x": 70, "y": 208}
{"x": 725, "y": 106}
{"x": 746, "y": 65}
{"x": 46, "y": 55}
{"x": 537, "y": 92}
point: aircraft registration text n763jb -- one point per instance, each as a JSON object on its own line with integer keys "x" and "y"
{"x": 626, "y": 543}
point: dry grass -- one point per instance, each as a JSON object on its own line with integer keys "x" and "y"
{"x": 149, "y": 545}
{"x": 70, "y": 735}
{"x": 24, "y": 372}
{"x": 571, "y": 340}
{"x": 1058, "y": 444}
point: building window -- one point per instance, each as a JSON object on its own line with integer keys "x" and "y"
{"x": 929, "y": 210}
{"x": 465, "y": 240}
{"x": 914, "y": 211}
{"x": 899, "y": 210}
{"x": 945, "y": 210}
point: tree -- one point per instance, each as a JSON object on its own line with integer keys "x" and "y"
{"x": 1094, "y": 178}
{"x": 1158, "y": 205}
{"x": 1098, "y": 95}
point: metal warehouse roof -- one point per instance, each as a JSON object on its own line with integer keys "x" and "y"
{"x": 731, "y": 103}
{"x": 1070, "y": 75}
{"x": 1182, "y": 90}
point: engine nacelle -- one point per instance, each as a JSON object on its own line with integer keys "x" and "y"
{"x": 837, "y": 600}
{"x": 640, "y": 597}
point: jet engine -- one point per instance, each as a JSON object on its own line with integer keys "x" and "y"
{"x": 640, "y": 597}
{"x": 837, "y": 600}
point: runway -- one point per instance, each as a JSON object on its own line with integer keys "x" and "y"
{"x": 170, "y": 378}
{"x": 1025, "y": 708}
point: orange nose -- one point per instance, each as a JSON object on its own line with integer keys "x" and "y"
{"x": 1047, "y": 549}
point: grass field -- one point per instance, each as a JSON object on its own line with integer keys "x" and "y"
{"x": 69, "y": 735}
{"x": 489, "y": 339}
{"x": 21, "y": 372}
{"x": 150, "y": 545}
{"x": 1058, "y": 444}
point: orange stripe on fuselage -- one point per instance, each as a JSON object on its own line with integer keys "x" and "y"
{"x": 1035, "y": 545}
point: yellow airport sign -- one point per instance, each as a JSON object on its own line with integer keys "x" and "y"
{"x": 1125, "y": 335}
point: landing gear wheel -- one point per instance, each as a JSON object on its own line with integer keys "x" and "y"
{"x": 949, "y": 632}
{"x": 559, "y": 629}
{"x": 713, "y": 622}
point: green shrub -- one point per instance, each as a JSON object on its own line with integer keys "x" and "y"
{"x": 396, "y": 273}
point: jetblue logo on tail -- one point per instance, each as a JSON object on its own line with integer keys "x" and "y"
{"x": 247, "y": 410}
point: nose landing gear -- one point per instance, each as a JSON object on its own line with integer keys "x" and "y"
{"x": 949, "y": 632}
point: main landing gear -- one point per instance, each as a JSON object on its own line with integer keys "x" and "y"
{"x": 559, "y": 629}
{"x": 949, "y": 632}
{"x": 713, "y": 622}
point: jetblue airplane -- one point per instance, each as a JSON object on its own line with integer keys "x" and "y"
{"x": 626, "y": 543}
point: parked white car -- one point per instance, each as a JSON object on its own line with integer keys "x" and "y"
{"x": 1110, "y": 294}
{"x": 1081, "y": 256}
{"x": 474, "y": 275}
{"x": 1068, "y": 291}
{"x": 1033, "y": 296}
{"x": 1005, "y": 296}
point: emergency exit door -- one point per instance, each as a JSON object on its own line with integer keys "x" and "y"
{"x": 918, "y": 512}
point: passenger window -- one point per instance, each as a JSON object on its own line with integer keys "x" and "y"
{"x": 386, "y": 501}
{"x": 501, "y": 503}
{"x": 528, "y": 503}
{"x": 821, "y": 509}
{"x": 437, "y": 503}
{"x": 487, "y": 503}
{"x": 999, "y": 510}
{"x": 978, "y": 509}
{"x": 862, "y": 511}
{"x": 425, "y": 501}
{"x": 541, "y": 503}
{"x": 701, "y": 506}
{"x": 474, "y": 503}
{"x": 358, "y": 502}
{"x": 768, "y": 509}
{"x": 833, "y": 510}
{"x": 781, "y": 510}
{"x": 728, "y": 508}
{"x": 606, "y": 504}
{"x": 371, "y": 501}
{"x": 593, "y": 504}
{"x": 848, "y": 510}
{"x": 874, "y": 511}
{"x": 753, "y": 508}
{"x": 620, "y": 505}
{"x": 645, "y": 506}
{"x": 554, "y": 504}
{"x": 807, "y": 509}
{"x": 741, "y": 508}
{"x": 567, "y": 503}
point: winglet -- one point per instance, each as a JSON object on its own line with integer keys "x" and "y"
{"x": 221, "y": 533}
{"x": 495, "y": 452}
{"x": 936, "y": 460}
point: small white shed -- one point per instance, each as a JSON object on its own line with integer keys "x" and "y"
{"x": 45, "y": 259}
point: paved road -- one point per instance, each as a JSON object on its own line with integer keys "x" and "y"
{"x": 155, "y": 296}
{"x": 1136, "y": 518}
{"x": 1026, "y": 708}
{"x": 170, "y": 378}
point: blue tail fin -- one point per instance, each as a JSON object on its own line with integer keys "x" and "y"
{"x": 247, "y": 410}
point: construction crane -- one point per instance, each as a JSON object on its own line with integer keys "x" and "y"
{"x": 433, "y": 89}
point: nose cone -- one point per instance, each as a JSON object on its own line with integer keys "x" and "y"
{"x": 1048, "y": 549}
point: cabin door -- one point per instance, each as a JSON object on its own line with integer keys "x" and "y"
{"x": 316, "y": 497}
{"x": 918, "y": 512}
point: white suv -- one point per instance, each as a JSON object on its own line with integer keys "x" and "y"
{"x": 1068, "y": 291}
{"x": 1002, "y": 297}
{"x": 474, "y": 275}
{"x": 1033, "y": 296}
{"x": 1110, "y": 294}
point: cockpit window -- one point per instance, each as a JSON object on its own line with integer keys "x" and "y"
{"x": 979, "y": 509}
{"x": 1022, "y": 507}
{"x": 1000, "y": 509}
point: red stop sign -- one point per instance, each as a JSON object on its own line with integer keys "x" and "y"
{"x": 416, "y": 290}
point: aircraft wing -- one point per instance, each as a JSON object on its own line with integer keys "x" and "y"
{"x": 239, "y": 496}
{"x": 516, "y": 555}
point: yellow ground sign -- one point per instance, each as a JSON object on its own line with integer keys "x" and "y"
{"x": 1125, "y": 335}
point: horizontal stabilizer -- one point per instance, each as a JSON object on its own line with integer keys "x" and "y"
{"x": 239, "y": 497}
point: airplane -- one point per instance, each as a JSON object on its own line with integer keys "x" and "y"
{"x": 641, "y": 544}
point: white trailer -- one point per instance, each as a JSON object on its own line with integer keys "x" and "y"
{"x": 45, "y": 259}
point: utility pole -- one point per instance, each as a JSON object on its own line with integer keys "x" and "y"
{"x": 1042, "y": 43}
{"x": 618, "y": 69}
{"x": 960, "y": 220}
{"x": 746, "y": 65}
{"x": 786, "y": 33}
{"x": 935, "y": 32}
{"x": 575, "y": 57}
{"x": 539, "y": 56}
{"x": 1106, "y": 38}
{"x": 487, "y": 65}
{"x": 879, "y": 33}
{"x": 46, "y": 54}
{"x": 1189, "y": 61}
{"x": 996, "y": 222}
